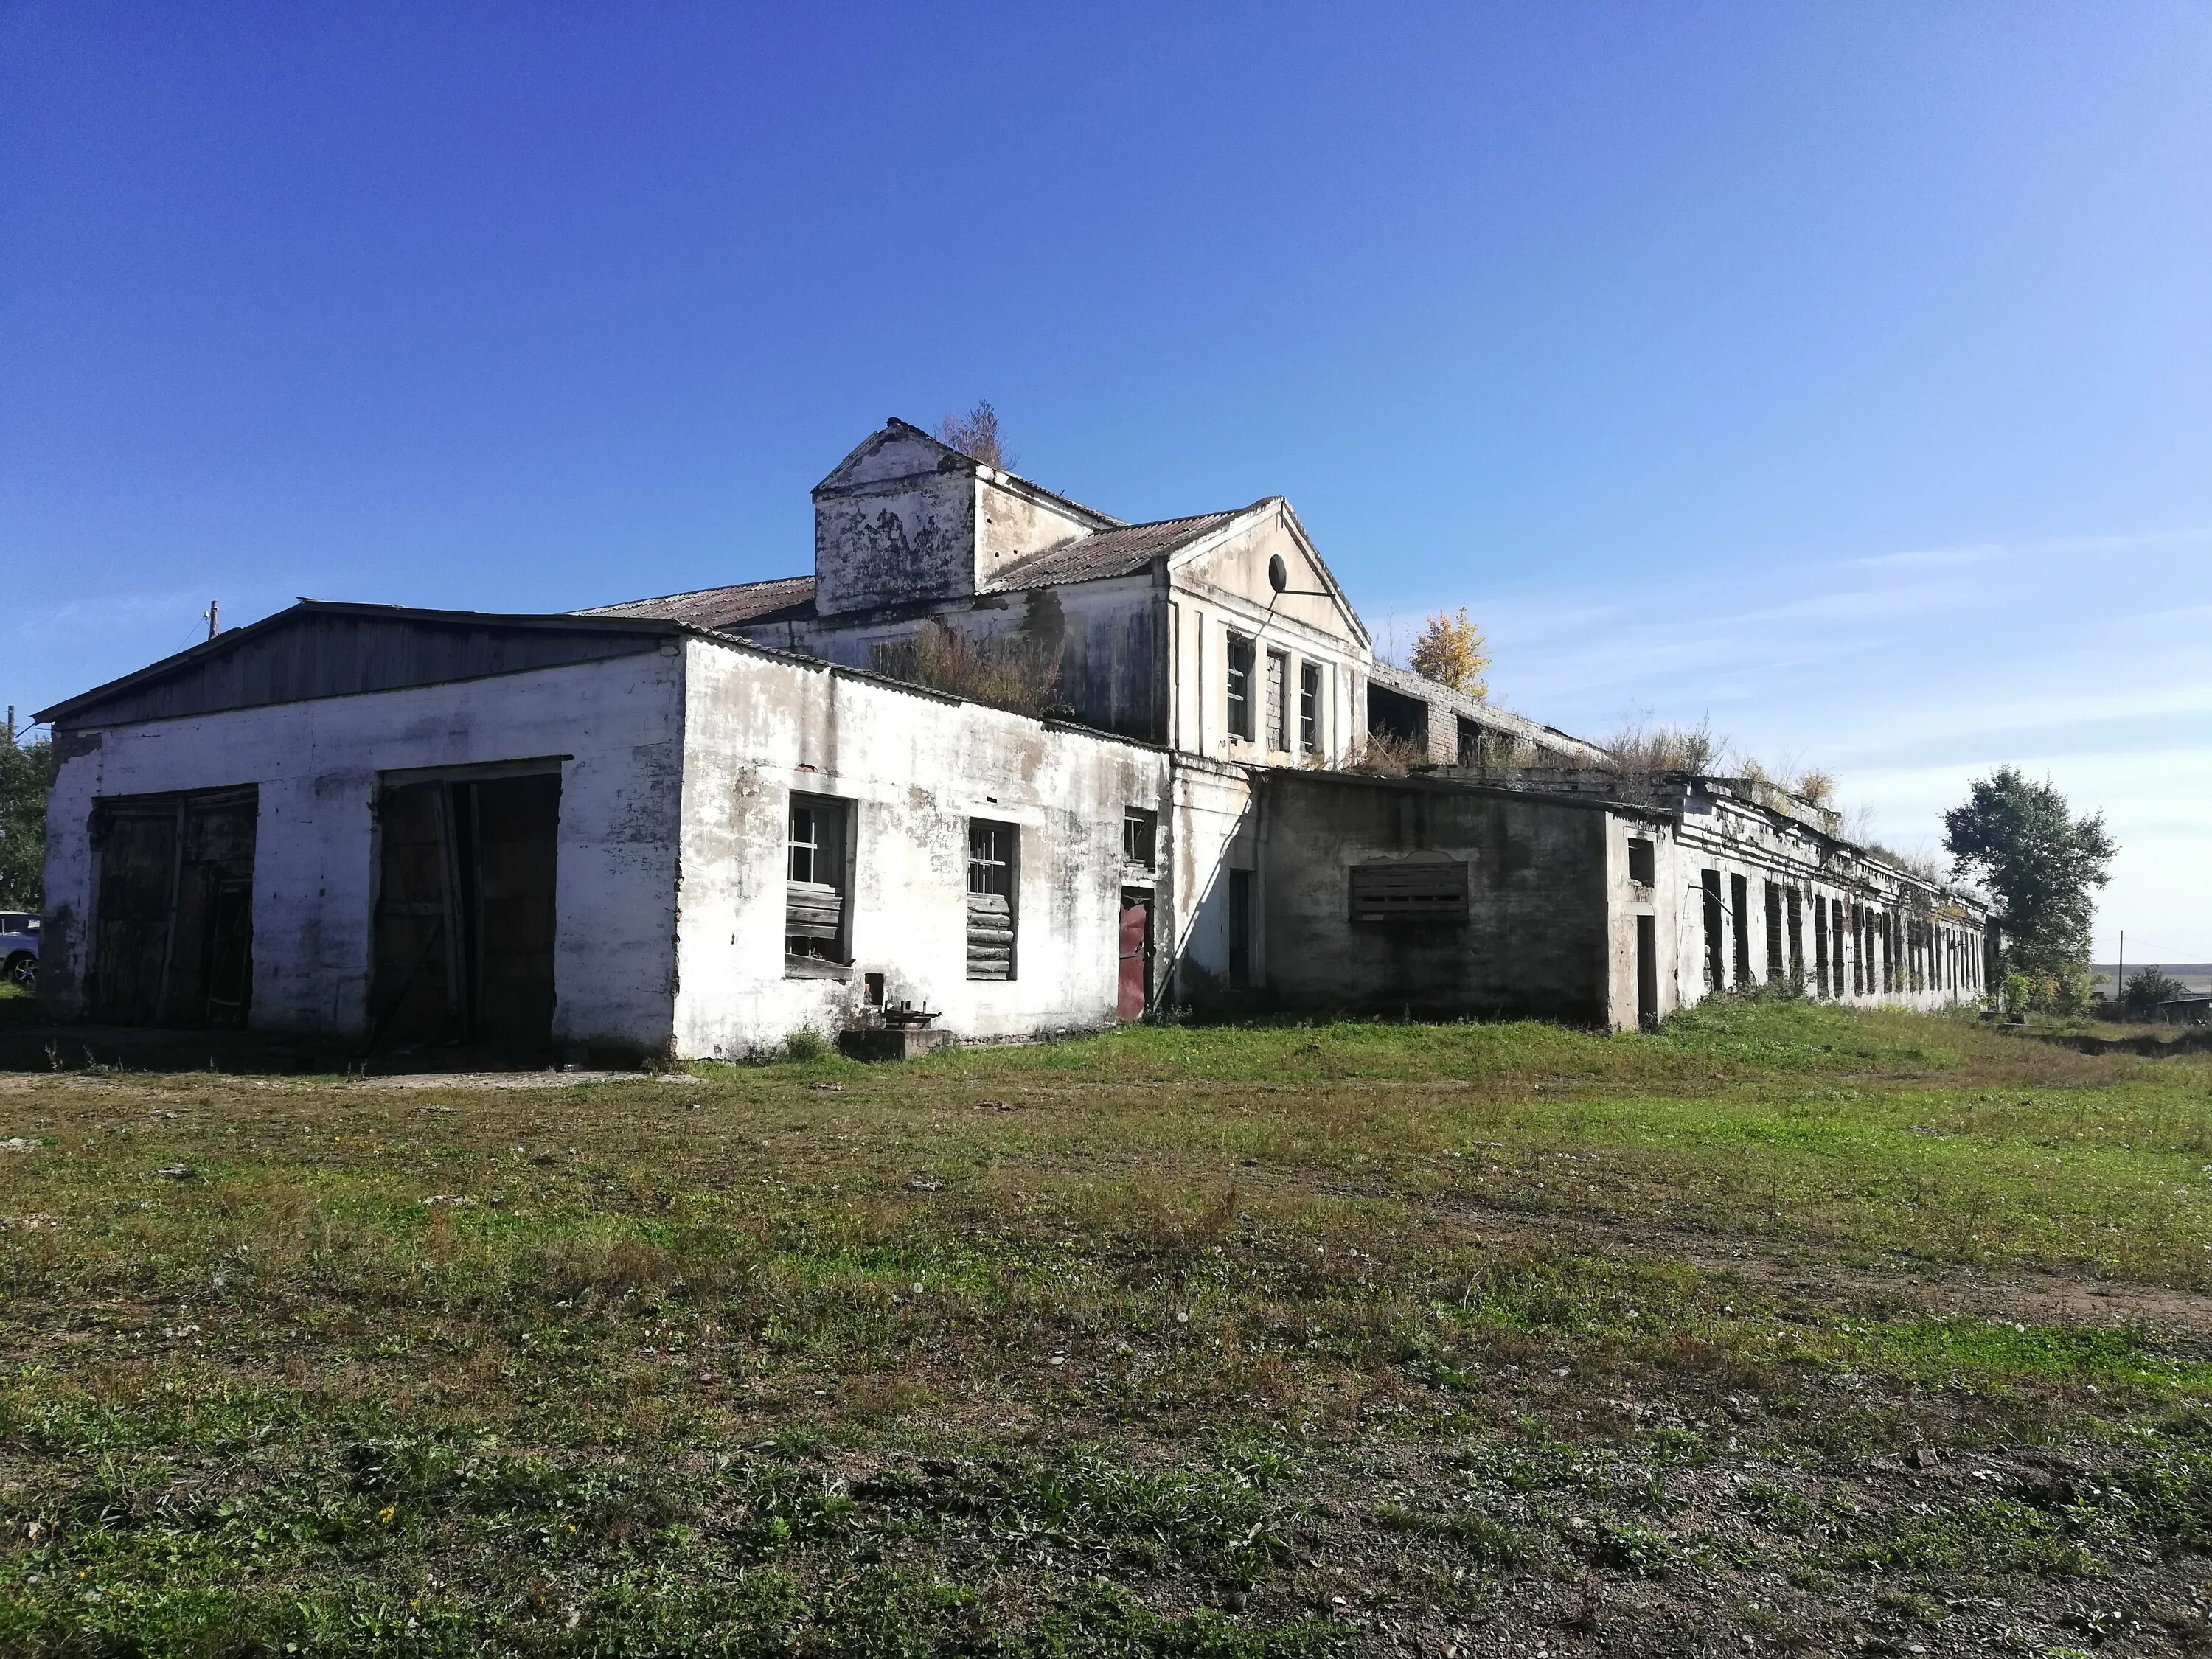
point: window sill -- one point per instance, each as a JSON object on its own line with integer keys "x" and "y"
{"x": 816, "y": 968}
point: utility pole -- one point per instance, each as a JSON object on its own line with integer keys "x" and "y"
{"x": 210, "y": 613}
{"x": 2120, "y": 976}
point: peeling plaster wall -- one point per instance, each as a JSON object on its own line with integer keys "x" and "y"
{"x": 1016, "y": 524}
{"x": 1214, "y": 832}
{"x": 898, "y": 525}
{"x": 916, "y": 767}
{"x": 1107, "y": 634}
{"x": 1539, "y": 902}
{"x": 619, "y": 722}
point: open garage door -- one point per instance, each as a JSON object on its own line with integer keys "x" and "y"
{"x": 172, "y": 930}
{"x": 465, "y": 916}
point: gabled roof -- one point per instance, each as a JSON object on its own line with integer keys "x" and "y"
{"x": 950, "y": 459}
{"x": 1120, "y": 552}
{"x": 323, "y": 649}
{"x": 785, "y": 597}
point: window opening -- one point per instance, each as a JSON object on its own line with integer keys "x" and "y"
{"x": 1278, "y": 677}
{"x": 1642, "y": 862}
{"x": 1796, "y": 905}
{"x": 1739, "y": 916}
{"x": 1140, "y": 834}
{"x": 1774, "y": 965}
{"x": 992, "y": 849}
{"x": 1309, "y": 707}
{"x": 1239, "y": 687}
{"x": 1716, "y": 969}
{"x": 1820, "y": 944}
{"x": 815, "y": 911}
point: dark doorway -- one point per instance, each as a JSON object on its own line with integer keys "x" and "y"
{"x": 1715, "y": 968}
{"x": 1647, "y": 972}
{"x": 173, "y": 934}
{"x": 465, "y": 917}
{"x": 1136, "y": 963}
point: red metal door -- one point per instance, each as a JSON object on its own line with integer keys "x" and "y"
{"x": 1136, "y": 954}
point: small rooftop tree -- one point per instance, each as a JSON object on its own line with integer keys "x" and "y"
{"x": 1452, "y": 651}
{"x": 976, "y": 434}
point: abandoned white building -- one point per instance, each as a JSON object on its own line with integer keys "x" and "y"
{"x": 689, "y": 826}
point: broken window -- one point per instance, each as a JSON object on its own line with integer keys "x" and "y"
{"x": 1642, "y": 862}
{"x": 1858, "y": 949}
{"x": 1239, "y": 687}
{"x": 1739, "y": 915}
{"x": 1279, "y": 702}
{"x": 1310, "y": 708}
{"x": 464, "y": 909}
{"x": 1796, "y": 904}
{"x": 1140, "y": 836}
{"x": 1393, "y": 715}
{"x": 172, "y": 931}
{"x": 816, "y": 882}
{"x": 1239, "y": 929}
{"x": 1409, "y": 890}
{"x": 993, "y": 850}
{"x": 1710, "y": 884}
{"x": 1820, "y": 943}
{"x": 1774, "y": 965}
{"x": 1470, "y": 742}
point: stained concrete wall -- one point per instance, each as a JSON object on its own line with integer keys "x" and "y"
{"x": 1939, "y": 936}
{"x": 617, "y": 726}
{"x": 1106, "y": 634}
{"x": 1536, "y": 939}
{"x": 917, "y": 767}
{"x": 895, "y": 523}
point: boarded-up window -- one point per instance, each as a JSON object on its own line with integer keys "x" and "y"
{"x": 993, "y": 851}
{"x": 1278, "y": 686}
{"x": 815, "y": 919}
{"x": 1409, "y": 890}
{"x": 174, "y": 927}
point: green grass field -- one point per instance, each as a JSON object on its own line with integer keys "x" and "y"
{"x": 1785, "y": 1329}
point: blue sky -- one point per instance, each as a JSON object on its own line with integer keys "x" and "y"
{"x": 1842, "y": 375}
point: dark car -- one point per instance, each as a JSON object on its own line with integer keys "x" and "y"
{"x": 19, "y": 949}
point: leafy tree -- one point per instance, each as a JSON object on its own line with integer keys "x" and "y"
{"x": 977, "y": 435}
{"x": 27, "y": 776}
{"x": 2148, "y": 987}
{"x": 2042, "y": 863}
{"x": 1452, "y": 651}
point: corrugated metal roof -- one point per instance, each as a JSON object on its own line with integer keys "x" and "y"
{"x": 786, "y": 596}
{"x": 1122, "y": 552}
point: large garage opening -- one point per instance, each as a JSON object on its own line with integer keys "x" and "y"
{"x": 173, "y": 928}
{"x": 464, "y": 918}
